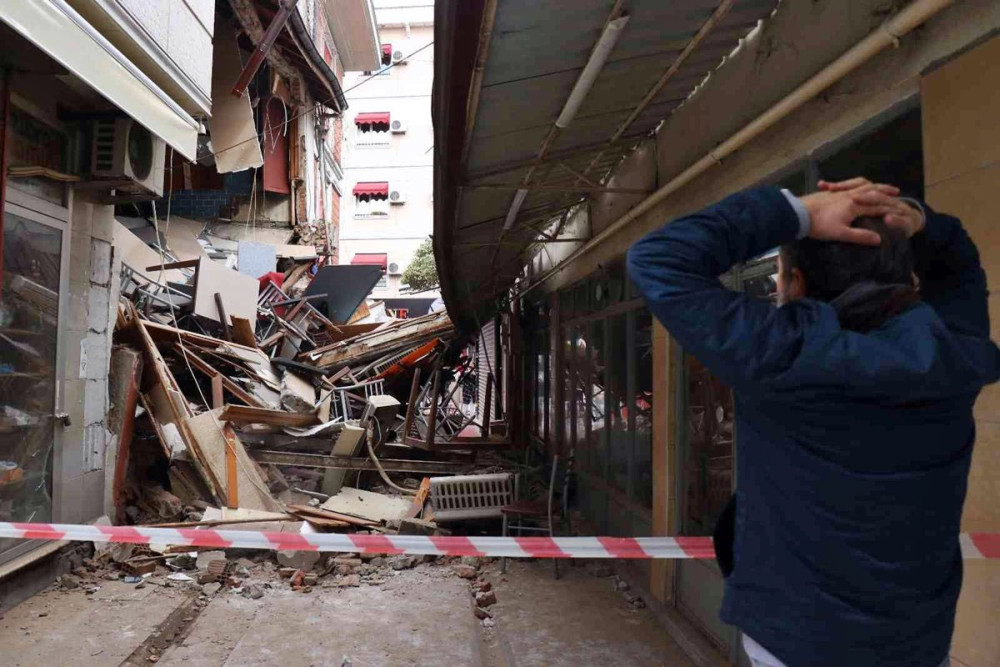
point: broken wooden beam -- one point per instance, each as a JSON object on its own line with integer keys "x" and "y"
{"x": 356, "y": 462}
{"x": 242, "y": 414}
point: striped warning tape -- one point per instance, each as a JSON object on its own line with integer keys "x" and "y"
{"x": 974, "y": 545}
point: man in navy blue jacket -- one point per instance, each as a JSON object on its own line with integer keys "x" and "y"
{"x": 853, "y": 413}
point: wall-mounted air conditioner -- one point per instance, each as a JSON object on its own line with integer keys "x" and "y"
{"x": 398, "y": 58}
{"x": 397, "y": 197}
{"x": 394, "y": 269}
{"x": 397, "y": 126}
{"x": 126, "y": 157}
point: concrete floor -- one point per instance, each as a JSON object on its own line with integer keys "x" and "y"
{"x": 423, "y": 616}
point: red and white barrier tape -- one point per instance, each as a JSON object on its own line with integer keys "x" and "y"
{"x": 974, "y": 545}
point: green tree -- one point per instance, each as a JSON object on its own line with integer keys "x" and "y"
{"x": 421, "y": 275}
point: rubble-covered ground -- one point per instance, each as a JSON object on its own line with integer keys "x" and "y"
{"x": 232, "y": 609}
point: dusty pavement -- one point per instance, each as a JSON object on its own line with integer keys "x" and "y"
{"x": 358, "y": 614}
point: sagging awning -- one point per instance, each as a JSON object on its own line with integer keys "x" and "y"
{"x": 372, "y": 118}
{"x": 371, "y": 259}
{"x": 70, "y": 40}
{"x": 372, "y": 189}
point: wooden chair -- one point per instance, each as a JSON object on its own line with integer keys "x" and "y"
{"x": 542, "y": 514}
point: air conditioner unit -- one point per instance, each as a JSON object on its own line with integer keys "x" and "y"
{"x": 398, "y": 58}
{"x": 397, "y": 197}
{"x": 394, "y": 269}
{"x": 397, "y": 127}
{"x": 126, "y": 157}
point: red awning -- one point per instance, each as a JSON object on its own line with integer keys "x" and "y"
{"x": 372, "y": 189}
{"x": 376, "y": 117}
{"x": 371, "y": 259}
{"x": 387, "y": 49}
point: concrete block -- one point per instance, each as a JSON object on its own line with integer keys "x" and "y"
{"x": 70, "y": 369}
{"x": 99, "y": 309}
{"x": 93, "y": 495}
{"x": 95, "y": 442}
{"x": 79, "y": 261}
{"x": 300, "y": 560}
{"x": 95, "y": 356}
{"x": 81, "y": 219}
{"x": 76, "y": 315}
{"x": 95, "y": 402}
{"x": 68, "y": 458}
{"x": 103, "y": 224}
{"x": 73, "y": 393}
{"x": 100, "y": 261}
{"x": 72, "y": 495}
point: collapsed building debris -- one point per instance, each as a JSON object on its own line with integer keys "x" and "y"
{"x": 279, "y": 401}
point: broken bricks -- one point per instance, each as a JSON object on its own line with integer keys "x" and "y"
{"x": 486, "y": 598}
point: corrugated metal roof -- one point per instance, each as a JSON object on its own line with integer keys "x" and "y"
{"x": 536, "y": 52}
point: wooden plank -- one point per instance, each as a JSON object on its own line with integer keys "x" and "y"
{"x": 240, "y": 414}
{"x": 242, "y": 331}
{"x": 212, "y": 443}
{"x": 298, "y": 459}
{"x": 303, "y": 511}
{"x": 417, "y": 506}
{"x": 186, "y": 264}
{"x": 216, "y": 522}
{"x": 180, "y": 412}
{"x": 217, "y": 399}
{"x": 232, "y": 480}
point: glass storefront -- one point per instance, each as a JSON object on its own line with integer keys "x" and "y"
{"x": 606, "y": 378}
{"x": 29, "y": 320}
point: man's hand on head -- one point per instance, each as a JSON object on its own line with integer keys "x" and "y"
{"x": 832, "y": 212}
{"x": 882, "y": 201}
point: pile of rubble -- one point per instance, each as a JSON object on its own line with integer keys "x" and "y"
{"x": 282, "y": 399}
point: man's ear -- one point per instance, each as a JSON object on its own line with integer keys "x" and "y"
{"x": 797, "y": 288}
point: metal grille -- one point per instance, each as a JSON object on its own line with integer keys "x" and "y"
{"x": 471, "y": 496}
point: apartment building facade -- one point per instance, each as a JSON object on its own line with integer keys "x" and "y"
{"x": 387, "y": 208}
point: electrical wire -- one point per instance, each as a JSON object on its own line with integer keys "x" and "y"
{"x": 378, "y": 465}
{"x": 315, "y": 105}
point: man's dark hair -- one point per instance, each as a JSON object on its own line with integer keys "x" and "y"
{"x": 868, "y": 285}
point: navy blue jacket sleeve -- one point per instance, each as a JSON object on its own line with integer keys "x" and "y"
{"x": 743, "y": 341}
{"x": 952, "y": 281}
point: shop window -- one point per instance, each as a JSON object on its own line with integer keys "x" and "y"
{"x": 540, "y": 383}
{"x": 640, "y": 407}
{"x": 619, "y": 403}
{"x": 29, "y": 321}
{"x": 597, "y": 396}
